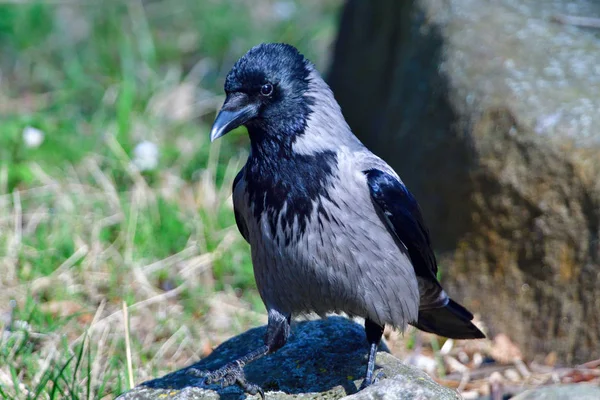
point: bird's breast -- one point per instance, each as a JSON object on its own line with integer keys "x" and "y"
{"x": 310, "y": 261}
{"x": 332, "y": 254}
{"x": 286, "y": 190}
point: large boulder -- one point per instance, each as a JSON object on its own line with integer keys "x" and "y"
{"x": 324, "y": 359}
{"x": 490, "y": 112}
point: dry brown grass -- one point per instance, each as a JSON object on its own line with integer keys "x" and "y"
{"x": 85, "y": 293}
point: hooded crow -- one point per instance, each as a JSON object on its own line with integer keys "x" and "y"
{"x": 331, "y": 227}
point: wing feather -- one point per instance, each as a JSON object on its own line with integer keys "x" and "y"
{"x": 239, "y": 220}
{"x": 401, "y": 213}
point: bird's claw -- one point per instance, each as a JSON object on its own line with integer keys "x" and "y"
{"x": 378, "y": 376}
{"x": 230, "y": 374}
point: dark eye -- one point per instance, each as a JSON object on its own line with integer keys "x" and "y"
{"x": 266, "y": 89}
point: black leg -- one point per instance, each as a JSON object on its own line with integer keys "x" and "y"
{"x": 374, "y": 333}
{"x": 278, "y": 330}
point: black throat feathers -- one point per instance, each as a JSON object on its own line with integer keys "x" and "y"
{"x": 277, "y": 178}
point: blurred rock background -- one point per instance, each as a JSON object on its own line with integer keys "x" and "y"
{"x": 119, "y": 256}
{"x": 490, "y": 113}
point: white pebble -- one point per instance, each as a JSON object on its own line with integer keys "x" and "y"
{"x": 32, "y": 137}
{"x": 145, "y": 156}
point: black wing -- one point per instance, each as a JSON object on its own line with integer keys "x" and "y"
{"x": 238, "y": 218}
{"x": 402, "y": 215}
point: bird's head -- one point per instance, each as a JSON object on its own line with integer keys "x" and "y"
{"x": 266, "y": 91}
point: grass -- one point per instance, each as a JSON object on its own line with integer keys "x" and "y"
{"x": 82, "y": 229}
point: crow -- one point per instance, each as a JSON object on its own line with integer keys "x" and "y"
{"x": 331, "y": 226}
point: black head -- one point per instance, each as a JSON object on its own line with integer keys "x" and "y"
{"x": 265, "y": 92}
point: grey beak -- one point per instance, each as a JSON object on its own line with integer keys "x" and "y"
{"x": 230, "y": 118}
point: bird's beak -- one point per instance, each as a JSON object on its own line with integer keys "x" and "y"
{"x": 236, "y": 111}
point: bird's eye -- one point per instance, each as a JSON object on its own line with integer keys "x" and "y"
{"x": 266, "y": 89}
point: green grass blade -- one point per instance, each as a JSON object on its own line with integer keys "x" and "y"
{"x": 89, "y": 368}
{"x": 78, "y": 363}
{"x": 56, "y": 379}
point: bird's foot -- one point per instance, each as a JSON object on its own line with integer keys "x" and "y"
{"x": 230, "y": 374}
{"x": 368, "y": 382}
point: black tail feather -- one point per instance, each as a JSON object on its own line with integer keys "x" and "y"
{"x": 451, "y": 321}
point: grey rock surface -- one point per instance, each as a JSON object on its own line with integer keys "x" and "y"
{"x": 324, "y": 359}
{"x": 488, "y": 110}
{"x": 406, "y": 385}
{"x": 562, "y": 392}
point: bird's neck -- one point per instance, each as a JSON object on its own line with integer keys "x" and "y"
{"x": 274, "y": 156}
{"x": 270, "y": 144}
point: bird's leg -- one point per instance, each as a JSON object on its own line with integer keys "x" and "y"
{"x": 374, "y": 333}
{"x": 278, "y": 330}
{"x": 233, "y": 372}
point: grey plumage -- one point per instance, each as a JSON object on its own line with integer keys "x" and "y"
{"x": 331, "y": 226}
{"x": 350, "y": 264}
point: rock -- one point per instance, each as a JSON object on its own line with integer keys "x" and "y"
{"x": 324, "y": 359}
{"x": 405, "y": 386}
{"x": 561, "y": 392}
{"x": 489, "y": 111}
